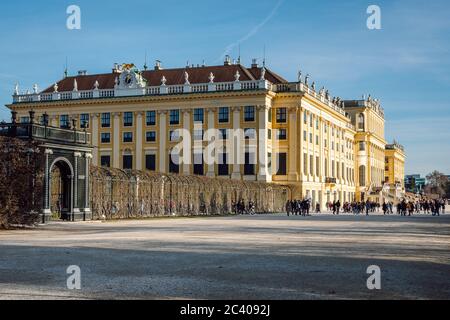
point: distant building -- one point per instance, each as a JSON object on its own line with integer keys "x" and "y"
{"x": 414, "y": 183}
{"x": 394, "y": 184}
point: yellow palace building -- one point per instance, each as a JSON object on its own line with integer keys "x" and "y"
{"x": 266, "y": 128}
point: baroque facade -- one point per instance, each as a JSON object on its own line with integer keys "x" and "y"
{"x": 323, "y": 147}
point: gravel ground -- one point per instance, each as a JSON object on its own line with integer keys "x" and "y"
{"x": 243, "y": 257}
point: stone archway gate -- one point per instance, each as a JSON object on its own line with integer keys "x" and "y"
{"x": 70, "y": 146}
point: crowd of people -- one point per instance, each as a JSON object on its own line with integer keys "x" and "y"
{"x": 240, "y": 207}
{"x": 298, "y": 207}
{"x": 303, "y": 207}
{"x": 434, "y": 207}
{"x": 353, "y": 207}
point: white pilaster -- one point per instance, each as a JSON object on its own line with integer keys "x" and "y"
{"x": 139, "y": 135}
{"x": 211, "y": 124}
{"x": 116, "y": 140}
{"x": 236, "y": 145}
{"x": 94, "y": 137}
{"x": 187, "y": 127}
{"x": 292, "y": 157}
{"x": 263, "y": 174}
{"x": 162, "y": 141}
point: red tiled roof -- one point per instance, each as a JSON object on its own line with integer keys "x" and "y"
{"x": 223, "y": 73}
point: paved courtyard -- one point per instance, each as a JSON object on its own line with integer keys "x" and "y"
{"x": 243, "y": 257}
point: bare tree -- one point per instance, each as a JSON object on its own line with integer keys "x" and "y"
{"x": 21, "y": 180}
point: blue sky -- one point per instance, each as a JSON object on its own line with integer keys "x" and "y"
{"x": 406, "y": 64}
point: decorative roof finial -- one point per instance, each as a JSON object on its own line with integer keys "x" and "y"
{"x": 116, "y": 82}
{"x": 35, "y": 88}
{"x": 322, "y": 91}
{"x": 55, "y": 88}
{"x": 16, "y": 89}
{"x": 96, "y": 85}
{"x": 186, "y": 78}
{"x": 163, "y": 81}
{"x": 306, "y": 79}
{"x": 263, "y": 73}
{"x": 313, "y": 86}
{"x": 299, "y": 76}
{"x": 211, "y": 77}
{"x": 237, "y": 76}
{"x": 75, "y": 85}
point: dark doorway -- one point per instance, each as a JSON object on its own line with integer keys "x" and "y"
{"x": 60, "y": 177}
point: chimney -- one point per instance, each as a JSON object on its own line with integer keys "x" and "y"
{"x": 158, "y": 65}
{"x": 82, "y": 72}
{"x": 254, "y": 63}
{"x": 116, "y": 68}
{"x": 227, "y": 61}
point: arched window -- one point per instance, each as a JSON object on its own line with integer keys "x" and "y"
{"x": 361, "y": 122}
{"x": 362, "y": 176}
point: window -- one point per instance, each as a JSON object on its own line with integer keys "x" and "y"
{"x": 249, "y": 166}
{"x": 106, "y": 120}
{"x": 174, "y": 166}
{"x": 106, "y": 137}
{"x": 362, "y": 176}
{"x": 282, "y": 164}
{"x": 198, "y": 164}
{"x": 269, "y": 134}
{"x": 128, "y": 137}
{"x": 338, "y": 173}
{"x": 198, "y": 134}
{"x": 249, "y": 113}
{"x": 84, "y": 120}
{"x": 317, "y": 124}
{"x": 326, "y": 167}
{"x": 64, "y": 121}
{"x": 198, "y": 115}
{"x": 311, "y": 121}
{"x": 224, "y": 114}
{"x": 282, "y": 135}
{"x": 128, "y": 119}
{"x": 174, "y": 135}
{"x": 269, "y": 161}
{"x": 127, "y": 162}
{"x": 223, "y": 134}
{"x": 317, "y": 140}
{"x": 304, "y": 135}
{"x": 281, "y": 115}
{"x": 311, "y": 165}
{"x": 150, "y": 136}
{"x": 150, "y": 162}
{"x": 174, "y": 117}
{"x": 362, "y": 146}
{"x": 305, "y": 118}
{"x": 310, "y": 137}
{"x": 333, "y": 172}
{"x": 305, "y": 163}
{"x": 150, "y": 118}
{"x": 325, "y": 143}
{"x": 249, "y": 133}
{"x": 317, "y": 167}
{"x": 269, "y": 115}
{"x": 105, "y": 161}
{"x": 223, "y": 164}
{"x": 24, "y": 119}
{"x": 361, "y": 122}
